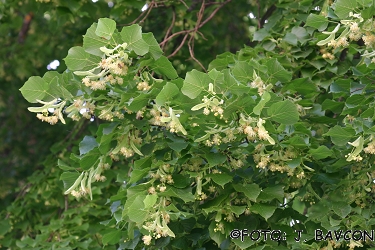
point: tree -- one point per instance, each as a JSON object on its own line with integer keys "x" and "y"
{"x": 174, "y": 144}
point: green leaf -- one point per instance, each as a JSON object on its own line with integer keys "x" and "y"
{"x": 214, "y": 159}
{"x": 321, "y": 152}
{"x": 90, "y": 159}
{"x": 216, "y": 77}
{"x": 143, "y": 163}
{"x": 4, "y": 226}
{"x": 222, "y": 61}
{"x": 181, "y": 181}
{"x": 233, "y": 86}
{"x": 245, "y": 244}
{"x": 154, "y": 47}
{"x": 164, "y": 67}
{"x": 344, "y": 7}
{"x": 291, "y": 39}
{"x": 221, "y": 178}
{"x": 92, "y": 42}
{"x": 297, "y": 142}
{"x": 243, "y": 71}
{"x": 150, "y": 200}
{"x": 184, "y": 194}
{"x": 87, "y": 144}
{"x": 264, "y": 210}
{"x": 79, "y": 59}
{"x": 339, "y": 135}
{"x": 259, "y": 35}
{"x": 277, "y": 71}
{"x": 139, "y": 102}
{"x": 195, "y": 82}
{"x": 293, "y": 163}
{"x": 332, "y": 105}
{"x": 284, "y": 112}
{"x": 56, "y": 87}
{"x": 34, "y": 88}
{"x": 270, "y": 193}
{"x": 141, "y": 169}
{"x": 138, "y": 174}
{"x": 167, "y": 93}
{"x": 112, "y": 238}
{"x": 317, "y": 21}
{"x": 105, "y": 28}
{"x": 263, "y": 100}
{"x": 341, "y": 208}
{"x": 178, "y": 145}
{"x": 63, "y": 165}
{"x": 132, "y": 35}
{"x": 251, "y": 191}
{"x": 136, "y": 211}
{"x": 69, "y": 178}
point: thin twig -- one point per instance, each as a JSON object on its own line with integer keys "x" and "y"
{"x": 195, "y": 59}
{"x": 191, "y": 40}
{"x": 183, "y": 2}
{"x": 153, "y": 4}
{"x": 148, "y": 11}
{"x": 179, "y": 46}
{"x": 213, "y": 13}
{"x": 192, "y": 30}
{"x": 169, "y": 29}
{"x": 258, "y": 3}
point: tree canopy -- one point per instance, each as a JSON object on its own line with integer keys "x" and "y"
{"x": 187, "y": 124}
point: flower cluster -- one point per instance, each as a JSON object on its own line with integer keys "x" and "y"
{"x": 370, "y": 149}
{"x": 210, "y": 105}
{"x": 355, "y": 28}
{"x": 253, "y": 131}
{"x": 82, "y": 185}
{"x": 143, "y": 86}
{"x": 108, "y": 114}
{"x": 127, "y": 152}
{"x": 80, "y": 107}
{"x": 50, "y": 119}
{"x": 157, "y": 227}
{"x": 157, "y": 115}
{"x": 50, "y": 112}
{"x": 258, "y": 83}
{"x": 110, "y": 69}
{"x": 163, "y": 174}
{"x": 101, "y": 84}
{"x": 276, "y": 161}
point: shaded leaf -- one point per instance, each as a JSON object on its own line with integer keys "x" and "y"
{"x": 284, "y": 112}
{"x": 87, "y": 144}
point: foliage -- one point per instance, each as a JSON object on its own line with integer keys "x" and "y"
{"x": 277, "y": 136}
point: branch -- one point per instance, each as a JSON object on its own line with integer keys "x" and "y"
{"x": 25, "y": 27}
{"x": 170, "y": 28}
{"x": 214, "y": 12}
{"x": 195, "y": 30}
{"x": 267, "y": 15}
{"x": 179, "y": 47}
{"x": 151, "y": 6}
{"x": 148, "y": 11}
{"x": 193, "y": 57}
